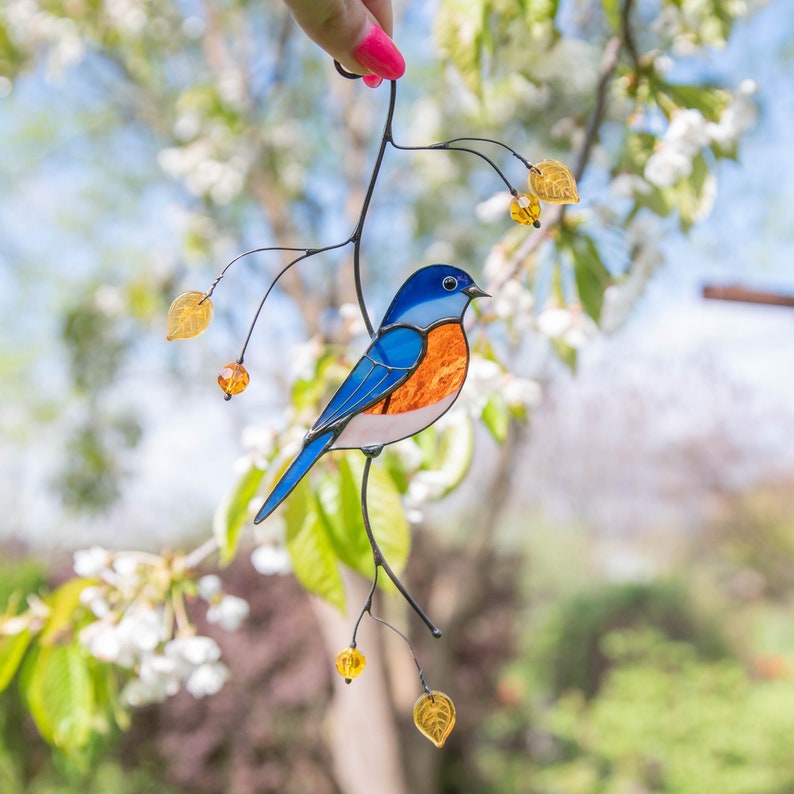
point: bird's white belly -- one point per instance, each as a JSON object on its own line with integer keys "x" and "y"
{"x": 373, "y": 430}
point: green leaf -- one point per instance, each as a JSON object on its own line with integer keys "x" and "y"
{"x": 636, "y": 151}
{"x": 567, "y": 354}
{"x": 496, "y": 417}
{"x": 338, "y": 495}
{"x": 63, "y": 603}
{"x": 710, "y": 101}
{"x": 395, "y": 465}
{"x": 461, "y": 34}
{"x": 612, "y": 11}
{"x": 592, "y": 278}
{"x": 310, "y": 547}
{"x": 452, "y": 452}
{"x": 339, "y": 501}
{"x": 690, "y": 196}
{"x": 57, "y": 689}
{"x": 308, "y": 392}
{"x": 12, "y": 651}
{"x": 106, "y": 694}
{"x": 656, "y": 200}
{"x": 232, "y": 513}
{"x": 427, "y": 441}
{"x": 386, "y": 514}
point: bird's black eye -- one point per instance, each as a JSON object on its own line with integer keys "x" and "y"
{"x": 449, "y": 283}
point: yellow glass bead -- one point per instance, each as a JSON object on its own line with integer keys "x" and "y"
{"x": 233, "y": 379}
{"x": 525, "y": 209}
{"x": 350, "y": 663}
{"x": 189, "y": 315}
{"x": 434, "y": 716}
{"x": 553, "y": 182}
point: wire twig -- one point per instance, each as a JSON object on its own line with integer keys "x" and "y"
{"x": 381, "y": 562}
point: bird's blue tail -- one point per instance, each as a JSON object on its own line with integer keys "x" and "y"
{"x": 294, "y": 474}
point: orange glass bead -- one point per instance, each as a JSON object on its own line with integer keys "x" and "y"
{"x": 525, "y": 209}
{"x": 350, "y": 663}
{"x": 233, "y": 379}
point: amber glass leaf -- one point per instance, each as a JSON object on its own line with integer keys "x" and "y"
{"x": 553, "y": 183}
{"x": 350, "y": 663}
{"x": 434, "y": 715}
{"x": 190, "y": 315}
{"x": 525, "y": 209}
{"x": 233, "y": 378}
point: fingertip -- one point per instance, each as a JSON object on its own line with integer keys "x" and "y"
{"x": 379, "y": 54}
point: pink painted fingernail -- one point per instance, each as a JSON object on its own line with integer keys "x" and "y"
{"x": 380, "y": 55}
{"x": 372, "y": 80}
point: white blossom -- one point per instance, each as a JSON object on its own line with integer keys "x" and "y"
{"x": 493, "y": 208}
{"x": 91, "y": 563}
{"x": 687, "y": 132}
{"x": 229, "y": 612}
{"x": 738, "y": 116}
{"x": 352, "y": 320}
{"x": 110, "y": 300}
{"x": 102, "y": 640}
{"x": 620, "y": 298}
{"x": 209, "y": 586}
{"x": 194, "y": 650}
{"x": 160, "y": 674}
{"x": 685, "y": 136}
{"x": 554, "y": 321}
{"x": 628, "y": 185}
{"x": 259, "y": 440}
{"x": 136, "y": 693}
{"x": 521, "y": 392}
{"x": 483, "y": 379}
{"x": 666, "y": 166}
{"x": 141, "y": 628}
{"x": 484, "y": 373}
{"x": 572, "y": 326}
{"x": 513, "y": 304}
{"x": 409, "y": 453}
{"x": 129, "y": 16}
{"x": 95, "y": 599}
{"x": 582, "y": 329}
{"x": 207, "y": 679}
{"x": 126, "y": 566}
{"x": 304, "y": 358}
{"x": 269, "y": 560}
{"x": 496, "y": 267}
{"x": 14, "y": 625}
{"x": 427, "y": 485}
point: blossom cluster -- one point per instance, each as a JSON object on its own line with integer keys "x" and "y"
{"x": 141, "y": 623}
{"x": 689, "y": 132}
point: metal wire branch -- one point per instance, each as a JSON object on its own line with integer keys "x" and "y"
{"x": 381, "y": 562}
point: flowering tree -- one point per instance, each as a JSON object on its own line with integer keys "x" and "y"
{"x": 599, "y": 91}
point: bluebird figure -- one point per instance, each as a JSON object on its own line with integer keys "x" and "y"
{"x": 409, "y": 376}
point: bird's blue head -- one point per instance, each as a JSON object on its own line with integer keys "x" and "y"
{"x": 432, "y": 294}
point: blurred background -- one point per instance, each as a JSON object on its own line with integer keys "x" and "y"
{"x": 615, "y": 573}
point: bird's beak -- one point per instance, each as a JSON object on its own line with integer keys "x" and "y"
{"x": 475, "y": 292}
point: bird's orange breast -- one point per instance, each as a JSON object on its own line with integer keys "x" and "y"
{"x": 440, "y": 373}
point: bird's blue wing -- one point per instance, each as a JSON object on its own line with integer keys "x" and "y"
{"x": 294, "y": 474}
{"x": 389, "y": 362}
